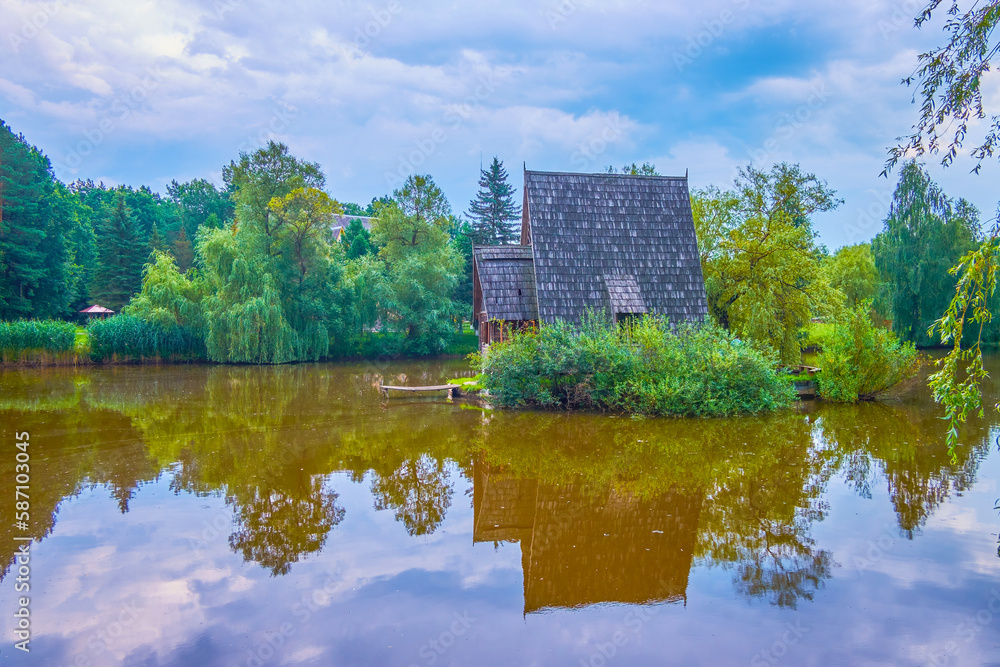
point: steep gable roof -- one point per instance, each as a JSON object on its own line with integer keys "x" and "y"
{"x": 507, "y": 277}
{"x": 605, "y": 240}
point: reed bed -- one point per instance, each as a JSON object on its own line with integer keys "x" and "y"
{"x": 38, "y": 343}
{"x": 128, "y": 339}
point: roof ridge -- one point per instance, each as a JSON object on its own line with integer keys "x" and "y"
{"x": 607, "y": 175}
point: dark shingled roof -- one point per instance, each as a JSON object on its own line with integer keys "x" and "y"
{"x": 624, "y": 294}
{"x": 507, "y": 276}
{"x": 602, "y": 239}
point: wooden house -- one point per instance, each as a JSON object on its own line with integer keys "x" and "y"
{"x": 624, "y": 245}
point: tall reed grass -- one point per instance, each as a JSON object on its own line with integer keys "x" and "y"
{"x": 47, "y": 342}
{"x": 125, "y": 338}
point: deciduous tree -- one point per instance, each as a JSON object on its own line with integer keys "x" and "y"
{"x": 761, "y": 262}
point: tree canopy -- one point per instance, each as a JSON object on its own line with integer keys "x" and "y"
{"x": 759, "y": 256}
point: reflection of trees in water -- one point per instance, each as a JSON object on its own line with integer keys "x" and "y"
{"x": 267, "y": 439}
{"x": 762, "y": 481}
{"x": 419, "y": 491}
{"x": 902, "y": 447}
{"x": 276, "y": 528}
{"x": 73, "y": 447}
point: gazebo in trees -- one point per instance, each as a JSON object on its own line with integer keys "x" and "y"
{"x": 624, "y": 245}
{"x": 96, "y": 311}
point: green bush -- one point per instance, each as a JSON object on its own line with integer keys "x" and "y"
{"x": 817, "y": 335}
{"x": 129, "y": 338}
{"x": 24, "y": 336}
{"x": 860, "y": 360}
{"x": 643, "y": 368}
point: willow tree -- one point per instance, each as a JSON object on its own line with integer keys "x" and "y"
{"x": 926, "y": 233}
{"x": 949, "y": 80}
{"x": 760, "y": 261}
{"x": 257, "y": 178}
{"x": 309, "y": 265}
{"x": 269, "y": 280}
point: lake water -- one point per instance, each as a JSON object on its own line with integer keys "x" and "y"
{"x": 195, "y": 515}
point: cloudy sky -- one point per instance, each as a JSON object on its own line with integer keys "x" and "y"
{"x": 141, "y": 92}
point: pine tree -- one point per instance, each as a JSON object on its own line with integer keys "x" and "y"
{"x": 493, "y": 212}
{"x": 156, "y": 242}
{"x": 34, "y": 254}
{"x": 183, "y": 252}
{"x": 121, "y": 255}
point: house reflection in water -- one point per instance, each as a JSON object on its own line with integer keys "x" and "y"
{"x": 579, "y": 548}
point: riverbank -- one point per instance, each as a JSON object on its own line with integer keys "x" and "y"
{"x": 128, "y": 341}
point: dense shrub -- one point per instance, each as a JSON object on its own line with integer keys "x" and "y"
{"x": 646, "y": 368}
{"x": 861, "y": 360}
{"x": 129, "y": 338}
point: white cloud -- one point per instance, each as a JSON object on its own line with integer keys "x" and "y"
{"x": 535, "y": 82}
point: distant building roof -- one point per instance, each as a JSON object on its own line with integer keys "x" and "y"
{"x": 97, "y": 310}
{"x": 341, "y": 222}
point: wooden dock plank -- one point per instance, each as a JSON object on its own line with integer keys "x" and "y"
{"x": 385, "y": 389}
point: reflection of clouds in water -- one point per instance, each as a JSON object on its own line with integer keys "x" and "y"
{"x": 401, "y": 574}
{"x": 180, "y": 597}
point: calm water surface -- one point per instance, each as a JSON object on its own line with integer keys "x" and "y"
{"x": 282, "y": 516}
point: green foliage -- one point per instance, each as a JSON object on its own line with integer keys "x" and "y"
{"x": 122, "y": 252}
{"x": 201, "y": 204}
{"x": 422, "y": 268}
{"x": 183, "y": 252}
{"x": 461, "y": 242}
{"x": 494, "y": 213}
{"x": 759, "y": 257}
{"x": 422, "y": 284}
{"x": 634, "y": 169}
{"x": 949, "y": 78}
{"x": 257, "y": 178}
{"x": 125, "y": 338}
{"x": 38, "y": 272}
{"x": 852, "y": 270}
{"x": 29, "y": 335}
{"x": 167, "y": 297}
{"x": 357, "y": 240}
{"x": 244, "y": 318}
{"x": 970, "y": 305}
{"x": 817, "y": 335}
{"x": 860, "y": 360}
{"x": 421, "y": 199}
{"x": 645, "y": 367}
{"x": 926, "y": 233}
